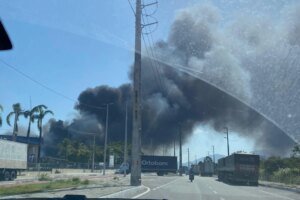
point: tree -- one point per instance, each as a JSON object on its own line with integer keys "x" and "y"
{"x": 30, "y": 115}
{"x": 296, "y": 151}
{"x": 17, "y": 111}
{"x": 1, "y": 110}
{"x": 41, "y": 113}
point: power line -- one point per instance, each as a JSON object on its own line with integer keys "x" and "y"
{"x": 155, "y": 74}
{"x": 158, "y": 81}
{"x": 151, "y": 44}
{"x": 45, "y": 86}
{"x": 131, "y": 6}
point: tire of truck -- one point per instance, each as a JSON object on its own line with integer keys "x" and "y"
{"x": 13, "y": 175}
{"x": 6, "y": 176}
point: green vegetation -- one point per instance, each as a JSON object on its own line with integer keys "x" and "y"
{"x": 40, "y": 187}
{"x": 75, "y": 150}
{"x": 17, "y": 111}
{"x": 44, "y": 177}
{"x": 283, "y": 170}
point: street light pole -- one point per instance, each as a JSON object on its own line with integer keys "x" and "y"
{"x": 93, "y": 156}
{"x": 188, "y": 158}
{"x": 213, "y": 147}
{"x": 105, "y": 139}
{"x": 174, "y": 147}
{"x": 226, "y": 129}
{"x": 125, "y": 143}
{"x": 180, "y": 153}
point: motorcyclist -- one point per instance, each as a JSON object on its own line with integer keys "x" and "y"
{"x": 191, "y": 175}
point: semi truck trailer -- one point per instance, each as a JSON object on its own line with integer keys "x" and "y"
{"x": 239, "y": 168}
{"x": 13, "y": 158}
{"x": 158, "y": 164}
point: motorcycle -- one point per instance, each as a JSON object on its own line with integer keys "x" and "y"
{"x": 191, "y": 177}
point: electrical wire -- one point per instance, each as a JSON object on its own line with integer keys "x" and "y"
{"x": 45, "y": 86}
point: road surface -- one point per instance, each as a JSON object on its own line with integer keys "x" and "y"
{"x": 208, "y": 188}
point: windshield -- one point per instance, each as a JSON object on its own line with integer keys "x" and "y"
{"x": 131, "y": 98}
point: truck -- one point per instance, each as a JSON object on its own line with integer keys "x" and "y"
{"x": 13, "y": 158}
{"x": 207, "y": 167}
{"x": 196, "y": 169}
{"x": 239, "y": 168}
{"x": 158, "y": 164}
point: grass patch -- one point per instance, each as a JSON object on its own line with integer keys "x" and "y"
{"x": 40, "y": 187}
{"x": 44, "y": 177}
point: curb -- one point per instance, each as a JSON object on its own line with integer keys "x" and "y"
{"x": 281, "y": 187}
{"x": 128, "y": 193}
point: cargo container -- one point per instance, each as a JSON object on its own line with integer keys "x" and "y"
{"x": 13, "y": 158}
{"x": 239, "y": 168}
{"x": 208, "y": 167}
{"x": 196, "y": 169}
{"x": 158, "y": 164}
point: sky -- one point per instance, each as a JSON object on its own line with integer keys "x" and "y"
{"x": 71, "y": 45}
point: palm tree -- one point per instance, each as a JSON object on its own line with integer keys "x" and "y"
{"x": 41, "y": 113}
{"x": 1, "y": 110}
{"x": 30, "y": 114}
{"x": 17, "y": 111}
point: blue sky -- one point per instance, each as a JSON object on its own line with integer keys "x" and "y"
{"x": 71, "y": 45}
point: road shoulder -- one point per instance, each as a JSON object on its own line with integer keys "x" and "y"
{"x": 280, "y": 186}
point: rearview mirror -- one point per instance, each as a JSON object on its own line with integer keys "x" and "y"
{"x": 5, "y": 43}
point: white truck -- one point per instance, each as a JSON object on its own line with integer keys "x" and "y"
{"x": 13, "y": 158}
{"x": 208, "y": 167}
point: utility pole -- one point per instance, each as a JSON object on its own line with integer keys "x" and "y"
{"x": 125, "y": 143}
{"x": 93, "y": 156}
{"x": 226, "y": 129}
{"x": 151, "y": 143}
{"x": 174, "y": 148}
{"x": 213, "y": 147}
{"x": 188, "y": 158}
{"x": 135, "y": 178}
{"x": 105, "y": 138}
{"x": 180, "y": 153}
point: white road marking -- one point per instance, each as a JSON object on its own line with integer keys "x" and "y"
{"x": 139, "y": 195}
{"x": 148, "y": 189}
{"x": 277, "y": 195}
{"x": 214, "y": 192}
{"x": 164, "y": 185}
{"x": 221, "y": 198}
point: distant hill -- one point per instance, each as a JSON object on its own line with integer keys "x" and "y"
{"x": 217, "y": 157}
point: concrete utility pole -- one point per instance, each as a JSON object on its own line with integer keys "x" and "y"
{"x": 180, "y": 153}
{"x": 105, "y": 138}
{"x": 188, "y": 158}
{"x": 125, "y": 143}
{"x": 135, "y": 178}
{"x": 226, "y": 129}
{"x": 174, "y": 147}
{"x": 151, "y": 143}
{"x": 213, "y": 147}
{"x": 93, "y": 156}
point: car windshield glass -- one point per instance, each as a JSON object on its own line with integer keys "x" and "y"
{"x": 133, "y": 96}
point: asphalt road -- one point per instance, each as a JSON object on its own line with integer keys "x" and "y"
{"x": 208, "y": 188}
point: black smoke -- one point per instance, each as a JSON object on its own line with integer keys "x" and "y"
{"x": 194, "y": 78}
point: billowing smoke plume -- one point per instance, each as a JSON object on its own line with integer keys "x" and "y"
{"x": 208, "y": 74}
